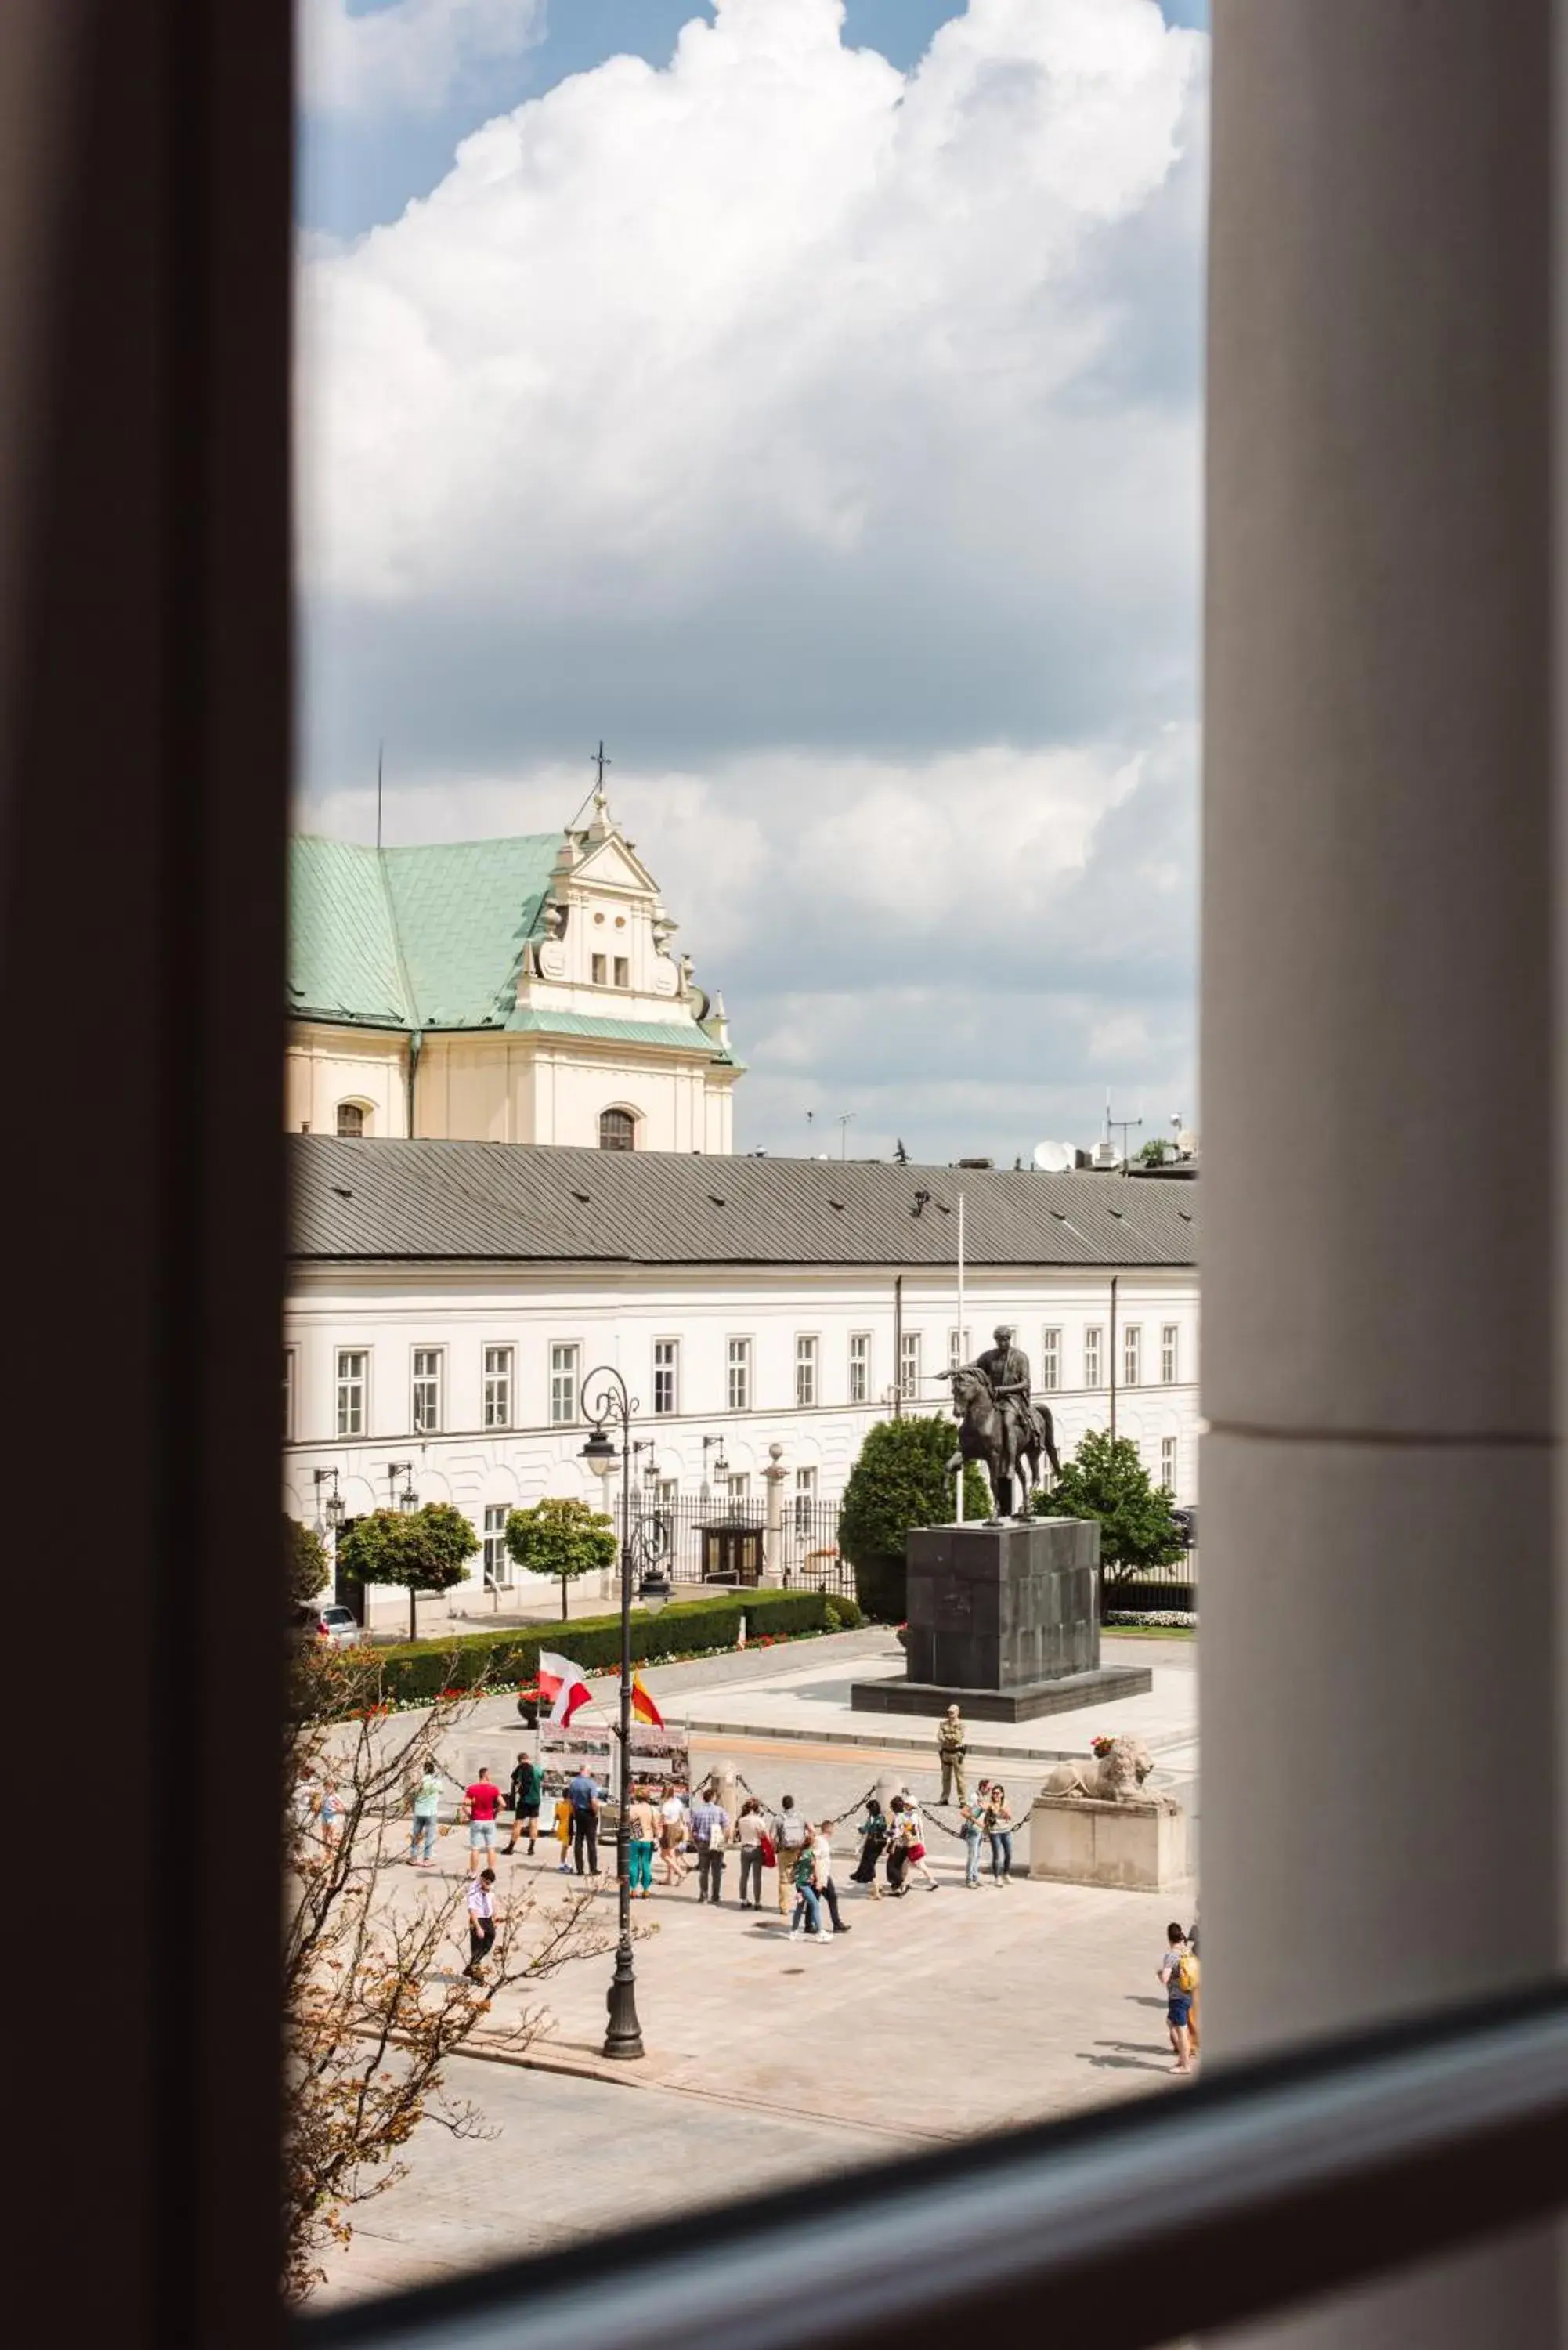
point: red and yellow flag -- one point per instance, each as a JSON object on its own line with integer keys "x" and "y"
{"x": 642, "y": 1705}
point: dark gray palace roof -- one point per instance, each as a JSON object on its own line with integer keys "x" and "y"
{"x": 500, "y": 1201}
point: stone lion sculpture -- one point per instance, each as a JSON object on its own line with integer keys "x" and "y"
{"x": 1115, "y": 1776}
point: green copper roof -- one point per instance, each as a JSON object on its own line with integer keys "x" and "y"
{"x": 413, "y": 937}
{"x": 667, "y": 1033}
{"x": 433, "y": 938}
{"x": 342, "y": 953}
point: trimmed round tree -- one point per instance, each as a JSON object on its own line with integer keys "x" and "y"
{"x": 304, "y": 1562}
{"x": 1105, "y": 1478}
{"x": 562, "y": 1538}
{"x": 418, "y": 1550}
{"x": 900, "y": 1480}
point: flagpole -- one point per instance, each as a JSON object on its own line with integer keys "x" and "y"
{"x": 958, "y": 1511}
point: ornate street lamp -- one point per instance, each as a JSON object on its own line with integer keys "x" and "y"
{"x": 330, "y": 1513}
{"x": 408, "y": 1500}
{"x": 614, "y": 1403}
{"x": 720, "y": 1466}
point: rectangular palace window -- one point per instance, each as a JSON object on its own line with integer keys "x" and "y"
{"x": 353, "y": 1380}
{"x": 909, "y": 1363}
{"x": 805, "y": 1501}
{"x": 1094, "y": 1350}
{"x": 860, "y": 1366}
{"x": 622, "y": 972}
{"x": 497, "y": 1560}
{"x": 498, "y": 1387}
{"x": 1168, "y": 1463}
{"x": 805, "y": 1374}
{"x": 599, "y": 969}
{"x": 563, "y": 1360}
{"x": 666, "y": 1375}
{"x": 1050, "y": 1359}
{"x": 738, "y": 1370}
{"x": 427, "y": 1390}
{"x": 1132, "y": 1356}
{"x": 958, "y": 1348}
{"x": 1170, "y": 1344}
{"x": 290, "y": 1372}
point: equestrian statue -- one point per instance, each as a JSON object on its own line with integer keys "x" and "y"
{"x": 999, "y": 1424}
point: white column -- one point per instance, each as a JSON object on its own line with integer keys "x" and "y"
{"x": 1378, "y": 1687}
{"x": 774, "y": 1477}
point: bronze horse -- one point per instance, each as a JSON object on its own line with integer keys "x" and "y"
{"x": 990, "y": 1436}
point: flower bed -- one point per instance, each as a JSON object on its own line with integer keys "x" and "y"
{"x": 1151, "y": 1620}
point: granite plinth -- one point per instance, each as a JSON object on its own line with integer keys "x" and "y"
{"x": 1003, "y": 1607}
{"x": 1027, "y": 1703}
{"x": 1078, "y": 1840}
{"x": 1004, "y": 1623}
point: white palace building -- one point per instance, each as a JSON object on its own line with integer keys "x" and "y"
{"x": 511, "y": 1163}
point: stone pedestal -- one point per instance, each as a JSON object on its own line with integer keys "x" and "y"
{"x": 1077, "y": 1840}
{"x": 1004, "y": 1621}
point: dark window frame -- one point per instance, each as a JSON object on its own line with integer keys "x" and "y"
{"x": 150, "y": 193}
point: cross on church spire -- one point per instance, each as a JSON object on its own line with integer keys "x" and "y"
{"x": 600, "y": 760}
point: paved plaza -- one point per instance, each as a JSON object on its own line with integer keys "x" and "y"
{"x": 942, "y": 2015}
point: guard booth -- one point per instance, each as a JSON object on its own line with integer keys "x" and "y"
{"x": 732, "y": 1553}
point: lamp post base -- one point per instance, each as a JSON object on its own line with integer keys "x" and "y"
{"x": 623, "y": 2037}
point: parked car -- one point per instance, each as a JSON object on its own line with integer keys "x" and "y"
{"x": 327, "y": 1621}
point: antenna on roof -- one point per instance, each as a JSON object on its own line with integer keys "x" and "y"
{"x": 380, "y": 748}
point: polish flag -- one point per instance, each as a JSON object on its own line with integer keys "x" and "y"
{"x": 562, "y": 1688}
{"x": 642, "y": 1704}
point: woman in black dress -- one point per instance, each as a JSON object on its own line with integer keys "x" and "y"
{"x": 873, "y": 1844}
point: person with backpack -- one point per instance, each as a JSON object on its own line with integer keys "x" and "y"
{"x": 789, "y": 1834}
{"x": 807, "y": 1914}
{"x": 1179, "y": 1972}
{"x": 527, "y": 1785}
{"x": 584, "y": 1798}
{"x": 710, "y": 1826}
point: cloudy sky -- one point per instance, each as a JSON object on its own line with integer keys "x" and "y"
{"x": 803, "y": 395}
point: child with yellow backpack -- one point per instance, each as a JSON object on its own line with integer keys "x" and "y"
{"x": 1179, "y": 1972}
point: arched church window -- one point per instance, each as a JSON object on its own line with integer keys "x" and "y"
{"x": 351, "y": 1119}
{"x": 618, "y": 1130}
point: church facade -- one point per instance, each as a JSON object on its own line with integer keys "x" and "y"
{"x": 519, "y": 991}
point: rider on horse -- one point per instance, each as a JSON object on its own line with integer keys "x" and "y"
{"x": 1006, "y": 1368}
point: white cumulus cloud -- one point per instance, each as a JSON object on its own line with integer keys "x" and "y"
{"x": 826, "y": 438}
{"x": 409, "y": 57}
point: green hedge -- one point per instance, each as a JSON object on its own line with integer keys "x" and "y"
{"x": 423, "y": 1668}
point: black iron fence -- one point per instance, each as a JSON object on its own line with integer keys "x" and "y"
{"x": 708, "y": 1538}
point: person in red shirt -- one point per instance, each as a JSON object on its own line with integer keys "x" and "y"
{"x": 480, "y": 1804}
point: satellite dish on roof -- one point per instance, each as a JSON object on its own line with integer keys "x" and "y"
{"x": 1055, "y": 1158}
